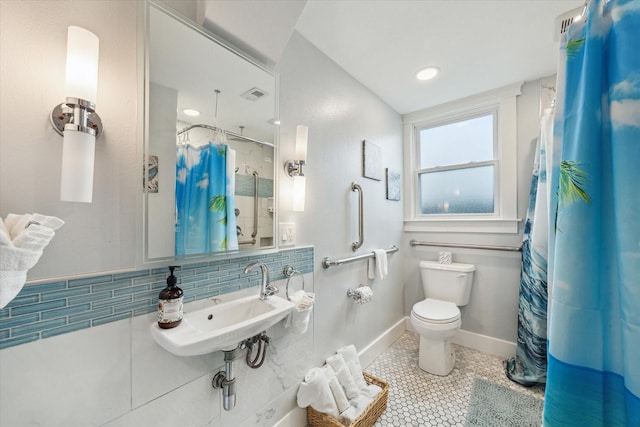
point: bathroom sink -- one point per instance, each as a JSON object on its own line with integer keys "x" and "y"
{"x": 221, "y": 326}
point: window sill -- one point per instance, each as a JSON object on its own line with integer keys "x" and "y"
{"x": 463, "y": 225}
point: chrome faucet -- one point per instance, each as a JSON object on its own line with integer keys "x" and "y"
{"x": 266, "y": 289}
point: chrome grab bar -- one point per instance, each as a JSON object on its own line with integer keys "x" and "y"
{"x": 468, "y": 246}
{"x": 356, "y": 245}
{"x": 327, "y": 262}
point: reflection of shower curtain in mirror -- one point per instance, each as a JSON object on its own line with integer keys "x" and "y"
{"x": 204, "y": 199}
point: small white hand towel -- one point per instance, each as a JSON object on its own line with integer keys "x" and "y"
{"x": 315, "y": 391}
{"x": 380, "y": 256}
{"x": 336, "y": 389}
{"x": 22, "y": 240}
{"x": 298, "y": 320}
{"x": 12, "y": 283}
{"x": 350, "y": 355}
{"x": 5, "y": 236}
{"x": 378, "y": 265}
{"x": 341, "y": 369}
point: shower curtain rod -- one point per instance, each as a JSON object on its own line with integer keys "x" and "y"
{"x": 229, "y": 133}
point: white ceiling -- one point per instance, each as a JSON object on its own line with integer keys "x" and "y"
{"x": 478, "y": 45}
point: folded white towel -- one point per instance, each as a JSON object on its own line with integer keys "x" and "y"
{"x": 315, "y": 391}
{"x": 341, "y": 369}
{"x": 5, "y": 236}
{"x": 339, "y": 396}
{"x": 47, "y": 221}
{"x": 22, "y": 239}
{"x": 380, "y": 256}
{"x": 11, "y": 283}
{"x": 298, "y": 320}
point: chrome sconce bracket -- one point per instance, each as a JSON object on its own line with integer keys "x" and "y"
{"x": 294, "y": 167}
{"x": 76, "y": 114}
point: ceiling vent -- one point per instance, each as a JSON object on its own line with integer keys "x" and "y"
{"x": 254, "y": 94}
{"x": 563, "y": 21}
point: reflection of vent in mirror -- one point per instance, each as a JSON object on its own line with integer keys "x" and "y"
{"x": 254, "y": 94}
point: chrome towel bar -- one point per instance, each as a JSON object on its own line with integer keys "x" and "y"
{"x": 328, "y": 262}
{"x": 468, "y": 246}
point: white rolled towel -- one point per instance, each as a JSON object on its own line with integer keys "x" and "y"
{"x": 11, "y": 283}
{"x": 22, "y": 239}
{"x": 341, "y": 369}
{"x": 349, "y": 415}
{"x": 350, "y": 355}
{"x": 315, "y": 391}
{"x": 336, "y": 389}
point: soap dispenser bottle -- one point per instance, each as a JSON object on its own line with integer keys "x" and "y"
{"x": 170, "y": 303}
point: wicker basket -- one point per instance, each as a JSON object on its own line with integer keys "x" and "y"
{"x": 368, "y": 416}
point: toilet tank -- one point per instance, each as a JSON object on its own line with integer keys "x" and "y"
{"x": 447, "y": 282}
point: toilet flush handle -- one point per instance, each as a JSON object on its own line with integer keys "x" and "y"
{"x": 462, "y": 275}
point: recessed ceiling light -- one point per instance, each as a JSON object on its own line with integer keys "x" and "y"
{"x": 427, "y": 73}
{"x": 190, "y": 112}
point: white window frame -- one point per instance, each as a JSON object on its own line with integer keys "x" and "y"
{"x": 504, "y": 219}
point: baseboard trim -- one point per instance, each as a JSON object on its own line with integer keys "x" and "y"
{"x": 379, "y": 345}
{"x": 479, "y": 342}
{"x": 485, "y": 344}
{"x": 297, "y": 417}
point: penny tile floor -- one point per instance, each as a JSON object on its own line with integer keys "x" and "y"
{"x": 417, "y": 398}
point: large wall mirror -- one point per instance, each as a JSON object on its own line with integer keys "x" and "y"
{"x": 210, "y": 144}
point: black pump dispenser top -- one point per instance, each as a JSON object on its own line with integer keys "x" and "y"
{"x": 172, "y": 280}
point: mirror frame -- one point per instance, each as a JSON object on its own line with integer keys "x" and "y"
{"x": 143, "y": 149}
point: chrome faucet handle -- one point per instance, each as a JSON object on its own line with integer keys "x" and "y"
{"x": 272, "y": 290}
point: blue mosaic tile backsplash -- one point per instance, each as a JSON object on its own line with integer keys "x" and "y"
{"x": 44, "y": 310}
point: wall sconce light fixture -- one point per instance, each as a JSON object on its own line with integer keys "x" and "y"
{"x": 76, "y": 119}
{"x": 294, "y": 168}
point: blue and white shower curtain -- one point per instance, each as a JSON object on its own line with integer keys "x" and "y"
{"x": 593, "y": 376}
{"x": 205, "y": 217}
{"x": 529, "y": 366}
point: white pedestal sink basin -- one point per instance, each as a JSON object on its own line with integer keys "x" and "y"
{"x": 221, "y": 326}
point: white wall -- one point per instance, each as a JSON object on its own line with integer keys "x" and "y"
{"x": 100, "y": 236}
{"x": 340, "y": 113}
{"x": 493, "y": 308}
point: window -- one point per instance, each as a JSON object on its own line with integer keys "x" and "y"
{"x": 462, "y": 165}
{"x": 457, "y": 167}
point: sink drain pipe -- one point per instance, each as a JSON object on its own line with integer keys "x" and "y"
{"x": 226, "y": 380}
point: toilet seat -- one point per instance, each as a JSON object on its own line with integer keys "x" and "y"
{"x": 436, "y": 311}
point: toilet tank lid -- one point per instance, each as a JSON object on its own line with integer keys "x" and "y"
{"x": 454, "y": 266}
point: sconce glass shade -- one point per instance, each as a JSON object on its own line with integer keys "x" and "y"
{"x": 76, "y": 184}
{"x": 298, "y": 193}
{"x": 82, "y": 64}
{"x": 76, "y": 119}
{"x": 302, "y": 134}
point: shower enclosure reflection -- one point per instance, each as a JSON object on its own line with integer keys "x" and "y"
{"x": 211, "y": 134}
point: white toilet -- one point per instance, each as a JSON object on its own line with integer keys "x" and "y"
{"x": 437, "y": 318}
